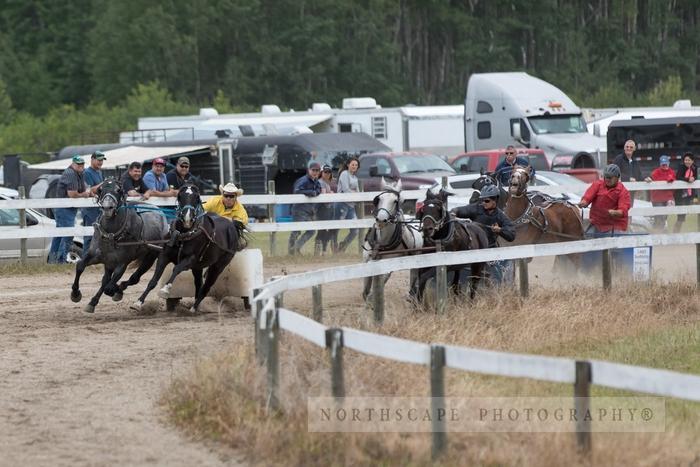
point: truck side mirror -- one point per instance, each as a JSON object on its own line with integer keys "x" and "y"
{"x": 515, "y": 130}
{"x": 464, "y": 168}
{"x": 373, "y": 171}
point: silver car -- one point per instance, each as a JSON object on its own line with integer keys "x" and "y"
{"x": 37, "y": 248}
{"x": 638, "y": 224}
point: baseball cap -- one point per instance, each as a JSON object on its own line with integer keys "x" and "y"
{"x": 314, "y": 165}
{"x": 183, "y": 160}
{"x": 327, "y": 168}
{"x": 78, "y": 160}
{"x": 159, "y": 161}
{"x": 664, "y": 160}
{"x": 99, "y": 155}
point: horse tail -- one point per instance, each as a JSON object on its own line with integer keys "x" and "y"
{"x": 243, "y": 235}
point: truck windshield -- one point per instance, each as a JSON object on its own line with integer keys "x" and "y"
{"x": 421, "y": 163}
{"x": 558, "y": 124}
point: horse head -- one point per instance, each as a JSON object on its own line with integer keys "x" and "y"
{"x": 189, "y": 205}
{"x": 387, "y": 204}
{"x": 434, "y": 213}
{"x": 110, "y": 197}
{"x": 518, "y": 181}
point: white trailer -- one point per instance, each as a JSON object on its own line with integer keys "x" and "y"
{"x": 435, "y": 129}
{"x": 599, "y": 119}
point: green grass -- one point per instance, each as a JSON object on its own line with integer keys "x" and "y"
{"x": 36, "y": 267}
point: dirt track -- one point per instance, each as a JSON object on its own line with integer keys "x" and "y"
{"x": 81, "y": 389}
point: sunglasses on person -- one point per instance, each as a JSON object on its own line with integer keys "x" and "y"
{"x": 510, "y": 154}
{"x": 230, "y": 196}
{"x": 488, "y": 200}
{"x": 186, "y": 166}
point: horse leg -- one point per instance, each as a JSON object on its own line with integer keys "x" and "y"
{"x": 477, "y": 271}
{"x": 367, "y": 289}
{"x": 90, "y": 307}
{"x": 213, "y": 273}
{"x": 134, "y": 279}
{"x": 160, "y": 267}
{"x": 183, "y": 265}
{"x": 111, "y": 288}
{"x": 197, "y": 274}
{"x": 88, "y": 260}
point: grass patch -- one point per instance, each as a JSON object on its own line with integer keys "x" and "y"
{"x": 656, "y": 326}
{"x": 16, "y": 268}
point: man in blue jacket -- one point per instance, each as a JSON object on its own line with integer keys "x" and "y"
{"x": 310, "y": 186}
{"x": 505, "y": 168}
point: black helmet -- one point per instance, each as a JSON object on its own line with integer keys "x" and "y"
{"x": 489, "y": 191}
{"x": 611, "y": 170}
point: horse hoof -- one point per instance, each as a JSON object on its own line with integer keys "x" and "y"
{"x": 193, "y": 310}
{"x": 165, "y": 291}
{"x": 136, "y": 306}
{"x": 89, "y": 308}
{"x": 117, "y": 296}
{"x": 76, "y": 296}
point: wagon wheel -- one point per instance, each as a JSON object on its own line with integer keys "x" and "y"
{"x": 171, "y": 304}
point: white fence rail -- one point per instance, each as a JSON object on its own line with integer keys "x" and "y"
{"x": 581, "y": 373}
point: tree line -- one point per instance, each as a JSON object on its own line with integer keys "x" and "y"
{"x": 76, "y": 70}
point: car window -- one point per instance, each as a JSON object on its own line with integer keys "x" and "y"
{"x": 9, "y": 217}
{"x": 365, "y": 164}
{"x": 462, "y": 184}
{"x": 421, "y": 163}
{"x": 383, "y": 166}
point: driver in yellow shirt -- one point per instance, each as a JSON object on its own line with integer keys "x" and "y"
{"x": 227, "y": 204}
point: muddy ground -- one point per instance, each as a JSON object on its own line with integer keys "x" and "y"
{"x": 83, "y": 389}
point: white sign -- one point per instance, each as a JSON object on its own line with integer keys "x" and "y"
{"x": 641, "y": 266}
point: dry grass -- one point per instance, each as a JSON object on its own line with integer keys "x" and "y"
{"x": 15, "y": 268}
{"x": 657, "y": 325}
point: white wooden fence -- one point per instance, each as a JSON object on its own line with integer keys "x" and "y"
{"x": 270, "y": 316}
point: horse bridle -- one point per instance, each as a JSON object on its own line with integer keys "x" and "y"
{"x": 392, "y": 217}
{"x": 439, "y": 223}
{"x": 521, "y": 192}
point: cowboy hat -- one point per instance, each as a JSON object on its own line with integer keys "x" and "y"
{"x": 231, "y": 189}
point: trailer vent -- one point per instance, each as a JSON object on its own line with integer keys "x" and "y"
{"x": 379, "y": 127}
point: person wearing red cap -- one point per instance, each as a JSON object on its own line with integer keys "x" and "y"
{"x": 156, "y": 181}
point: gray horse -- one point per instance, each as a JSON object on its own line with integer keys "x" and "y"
{"x": 117, "y": 224}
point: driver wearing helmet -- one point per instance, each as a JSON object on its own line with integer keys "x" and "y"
{"x": 495, "y": 223}
{"x": 610, "y": 202}
{"x": 486, "y": 212}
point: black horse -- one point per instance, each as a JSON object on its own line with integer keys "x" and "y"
{"x": 454, "y": 235}
{"x": 198, "y": 241}
{"x": 119, "y": 223}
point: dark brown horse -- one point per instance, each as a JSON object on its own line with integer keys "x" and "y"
{"x": 540, "y": 218}
{"x": 455, "y": 235}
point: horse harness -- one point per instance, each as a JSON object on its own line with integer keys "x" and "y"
{"x": 529, "y": 216}
{"x": 181, "y": 238}
{"x": 396, "y": 239}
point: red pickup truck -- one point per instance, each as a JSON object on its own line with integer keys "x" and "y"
{"x": 486, "y": 161}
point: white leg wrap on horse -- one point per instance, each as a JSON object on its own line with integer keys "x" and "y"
{"x": 165, "y": 291}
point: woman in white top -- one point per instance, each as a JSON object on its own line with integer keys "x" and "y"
{"x": 347, "y": 183}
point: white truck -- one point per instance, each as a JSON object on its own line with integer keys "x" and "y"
{"x": 519, "y": 109}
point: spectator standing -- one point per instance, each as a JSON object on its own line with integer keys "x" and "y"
{"x": 610, "y": 202}
{"x": 70, "y": 185}
{"x": 93, "y": 179}
{"x": 131, "y": 181}
{"x": 505, "y": 168}
{"x": 629, "y": 168}
{"x": 180, "y": 174}
{"x": 689, "y": 173}
{"x": 326, "y": 212}
{"x": 304, "y": 212}
{"x": 348, "y": 183}
{"x": 227, "y": 204}
{"x": 156, "y": 181}
{"x": 663, "y": 173}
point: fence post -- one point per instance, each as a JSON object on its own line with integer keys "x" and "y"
{"x": 22, "y": 225}
{"x": 437, "y": 401}
{"x": 317, "y": 300}
{"x": 582, "y": 388}
{"x": 607, "y": 270}
{"x": 271, "y": 217}
{"x": 273, "y": 367}
{"x": 523, "y": 278}
{"x": 255, "y": 310}
{"x": 360, "y": 211}
{"x": 378, "y": 298}
{"x": 334, "y": 344}
{"x": 440, "y": 283}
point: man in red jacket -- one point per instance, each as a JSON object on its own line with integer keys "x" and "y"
{"x": 609, "y": 201}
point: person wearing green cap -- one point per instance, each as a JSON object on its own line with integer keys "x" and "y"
{"x": 70, "y": 185}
